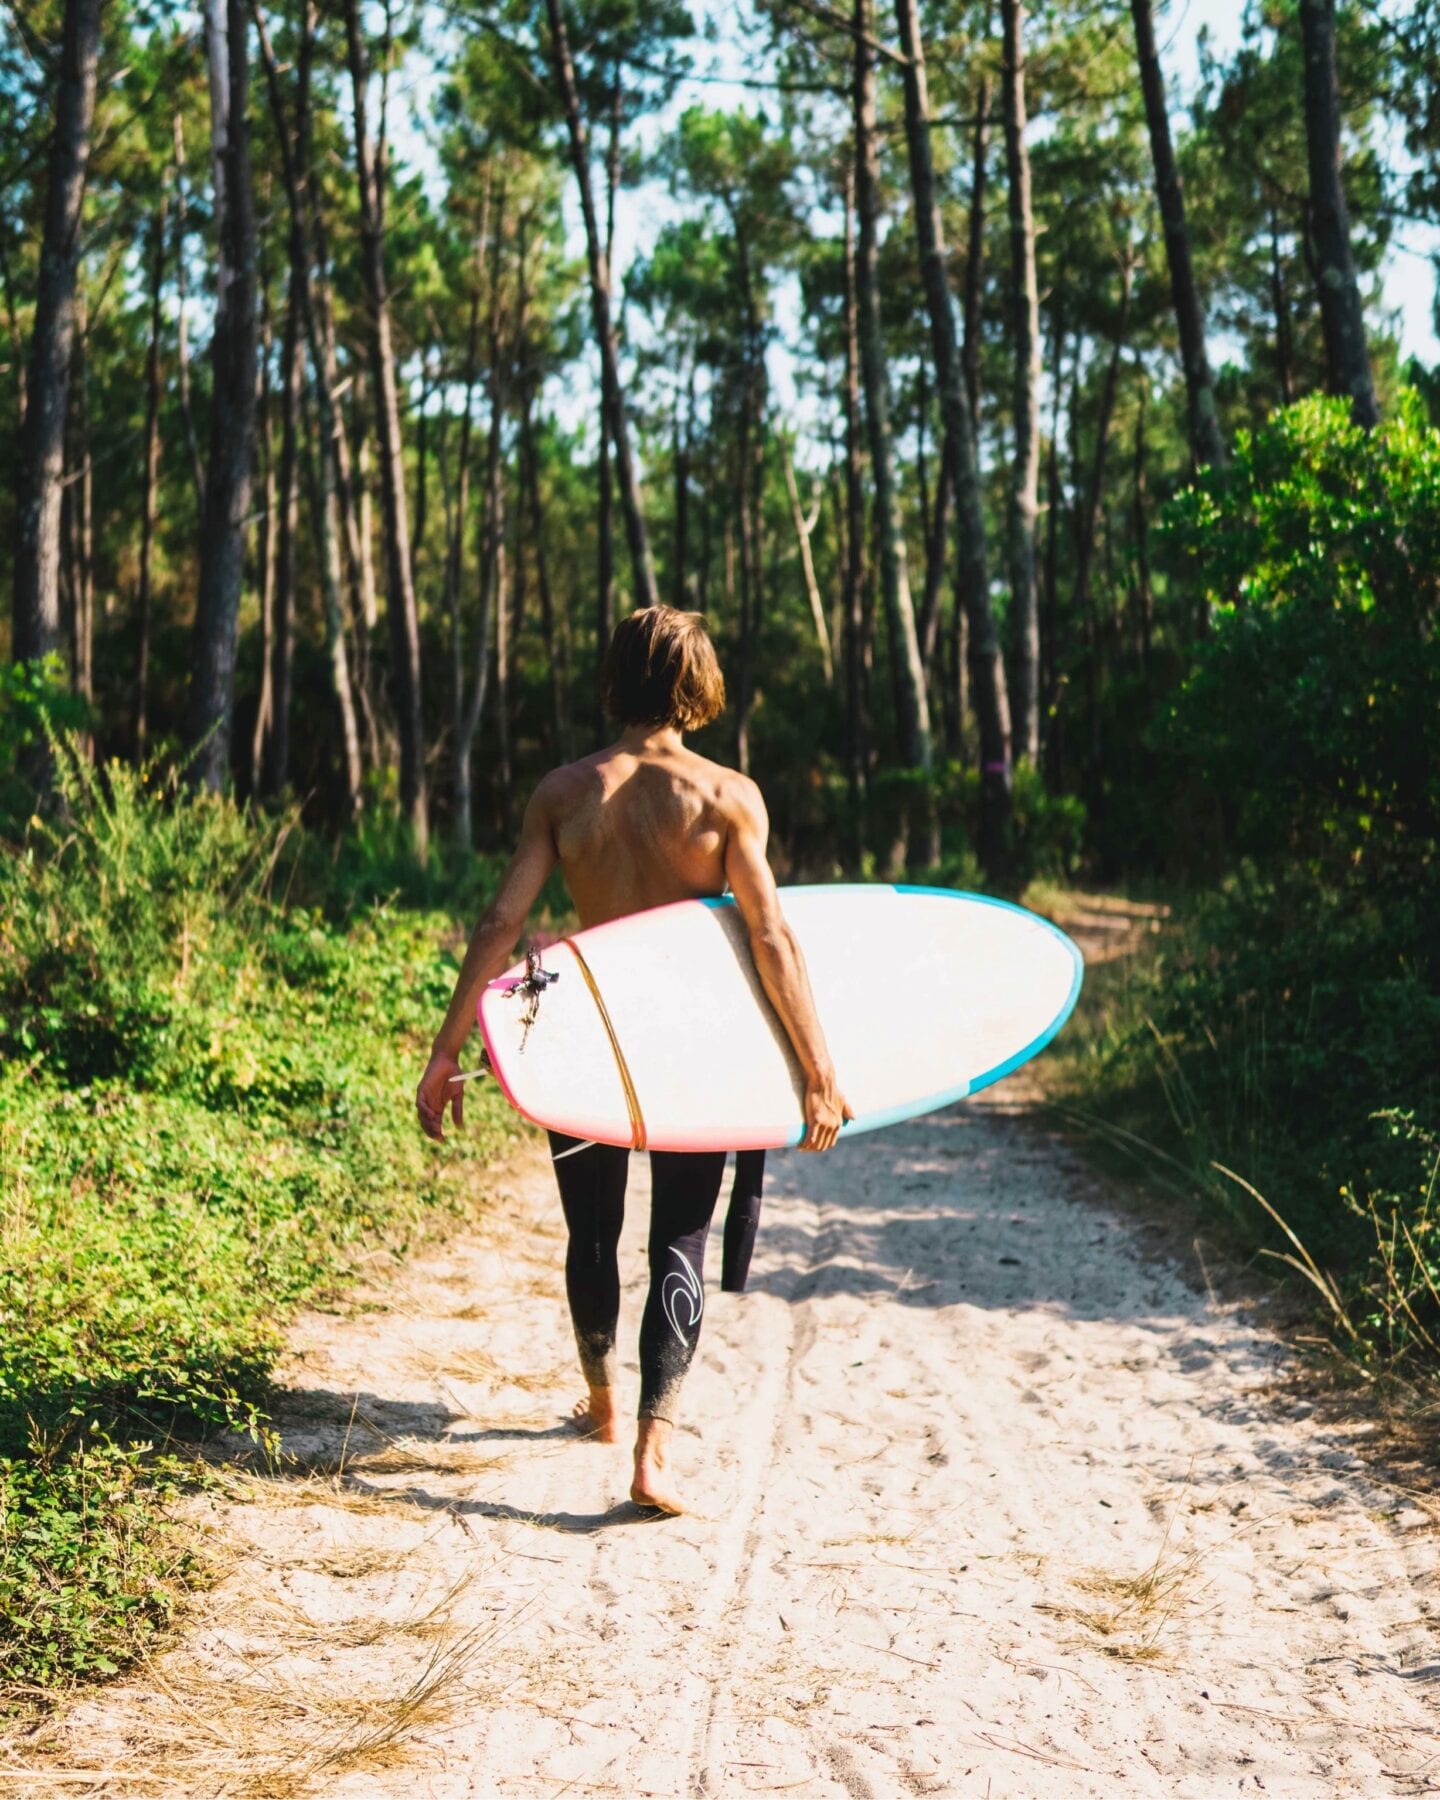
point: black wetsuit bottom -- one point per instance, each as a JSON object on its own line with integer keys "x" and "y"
{"x": 684, "y": 1189}
{"x": 742, "y": 1219}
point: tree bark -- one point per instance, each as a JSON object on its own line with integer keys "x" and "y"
{"x": 282, "y": 641}
{"x": 230, "y": 468}
{"x": 857, "y": 720}
{"x": 975, "y": 256}
{"x": 913, "y": 721}
{"x": 182, "y": 319}
{"x": 803, "y": 528}
{"x": 987, "y": 666}
{"x": 1025, "y": 326}
{"x": 1207, "y": 443}
{"x": 326, "y": 497}
{"x": 265, "y": 549}
{"x": 144, "y": 599}
{"x": 404, "y": 618}
{"x": 613, "y": 395}
{"x": 41, "y": 454}
{"x": 1342, "y": 316}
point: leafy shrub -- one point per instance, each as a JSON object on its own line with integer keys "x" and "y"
{"x": 1294, "y": 1019}
{"x": 205, "y": 1114}
{"x": 1315, "y": 706}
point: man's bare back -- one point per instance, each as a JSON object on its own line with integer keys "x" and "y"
{"x": 639, "y": 826}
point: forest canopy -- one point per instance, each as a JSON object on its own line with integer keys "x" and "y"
{"x": 352, "y": 393}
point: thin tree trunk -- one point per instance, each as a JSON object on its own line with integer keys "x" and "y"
{"x": 422, "y": 464}
{"x": 231, "y": 463}
{"x": 530, "y": 474}
{"x": 646, "y": 593}
{"x": 182, "y": 319}
{"x": 987, "y": 666}
{"x": 857, "y": 720}
{"x": 682, "y": 437}
{"x": 325, "y": 500}
{"x": 975, "y": 252}
{"x": 1049, "y": 646}
{"x": 914, "y": 707}
{"x": 1207, "y": 444}
{"x": 357, "y": 449}
{"x": 492, "y": 580}
{"x": 277, "y": 762}
{"x": 803, "y": 528}
{"x": 1095, "y": 489}
{"x": 144, "y": 600}
{"x": 1025, "y": 326}
{"x": 1144, "y": 593}
{"x": 605, "y": 496}
{"x": 82, "y": 506}
{"x": 324, "y": 509}
{"x": 400, "y": 589}
{"x": 745, "y": 648}
{"x": 1280, "y": 301}
{"x": 265, "y": 550}
{"x": 41, "y": 453}
{"x": 1342, "y": 315}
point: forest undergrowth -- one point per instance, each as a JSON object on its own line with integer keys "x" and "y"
{"x": 209, "y": 1030}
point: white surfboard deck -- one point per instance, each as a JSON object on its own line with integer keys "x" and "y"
{"x": 925, "y": 995}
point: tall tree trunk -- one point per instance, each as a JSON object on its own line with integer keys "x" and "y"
{"x": 1025, "y": 326}
{"x": 857, "y": 710}
{"x": 804, "y": 526}
{"x": 1280, "y": 302}
{"x": 1049, "y": 646}
{"x": 992, "y": 700}
{"x": 914, "y": 706}
{"x": 1207, "y": 444}
{"x": 1140, "y": 501}
{"x": 646, "y": 592}
{"x": 41, "y": 455}
{"x": 81, "y": 486}
{"x": 400, "y": 605}
{"x": 282, "y": 655}
{"x": 144, "y": 599}
{"x": 265, "y": 549}
{"x": 682, "y": 440}
{"x": 361, "y": 483}
{"x": 231, "y": 463}
{"x": 328, "y": 434}
{"x": 182, "y": 318}
{"x": 530, "y": 476}
{"x": 1095, "y": 488}
{"x": 1342, "y": 316}
{"x": 975, "y": 251}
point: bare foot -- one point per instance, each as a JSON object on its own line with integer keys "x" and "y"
{"x": 598, "y": 1417}
{"x": 652, "y": 1485}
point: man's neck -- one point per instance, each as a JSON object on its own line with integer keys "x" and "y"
{"x": 649, "y": 740}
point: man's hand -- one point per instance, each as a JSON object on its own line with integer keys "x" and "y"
{"x": 826, "y": 1108}
{"x": 437, "y": 1087}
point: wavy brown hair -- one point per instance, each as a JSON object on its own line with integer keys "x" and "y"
{"x": 661, "y": 669}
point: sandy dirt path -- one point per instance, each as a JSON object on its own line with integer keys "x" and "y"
{"x": 991, "y": 1502}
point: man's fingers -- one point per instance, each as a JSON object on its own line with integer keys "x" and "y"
{"x": 457, "y": 1104}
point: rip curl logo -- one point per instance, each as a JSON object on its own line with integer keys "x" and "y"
{"x": 682, "y": 1294}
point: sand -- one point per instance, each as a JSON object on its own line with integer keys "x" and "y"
{"x": 990, "y": 1501}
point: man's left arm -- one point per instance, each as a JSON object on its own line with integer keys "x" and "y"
{"x": 492, "y": 944}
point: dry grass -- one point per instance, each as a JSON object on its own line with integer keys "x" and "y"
{"x": 238, "y": 1726}
{"x": 1136, "y": 1609}
{"x": 478, "y": 1366}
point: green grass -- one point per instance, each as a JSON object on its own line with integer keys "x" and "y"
{"x": 205, "y": 1116}
{"x": 1271, "y": 1058}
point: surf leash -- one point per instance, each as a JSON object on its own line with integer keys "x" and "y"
{"x": 632, "y": 1099}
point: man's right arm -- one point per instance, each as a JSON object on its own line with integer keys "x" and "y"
{"x": 780, "y": 963}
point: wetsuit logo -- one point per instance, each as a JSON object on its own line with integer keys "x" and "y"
{"x": 683, "y": 1295}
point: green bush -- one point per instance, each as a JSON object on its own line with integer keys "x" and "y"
{"x": 205, "y": 1113}
{"x": 1294, "y": 1019}
{"x": 1315, "y": 706}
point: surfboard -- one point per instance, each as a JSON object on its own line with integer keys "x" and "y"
{"x": 654, "y": 1031}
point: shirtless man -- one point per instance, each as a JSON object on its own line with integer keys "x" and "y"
{"x": 639, "y": 824}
